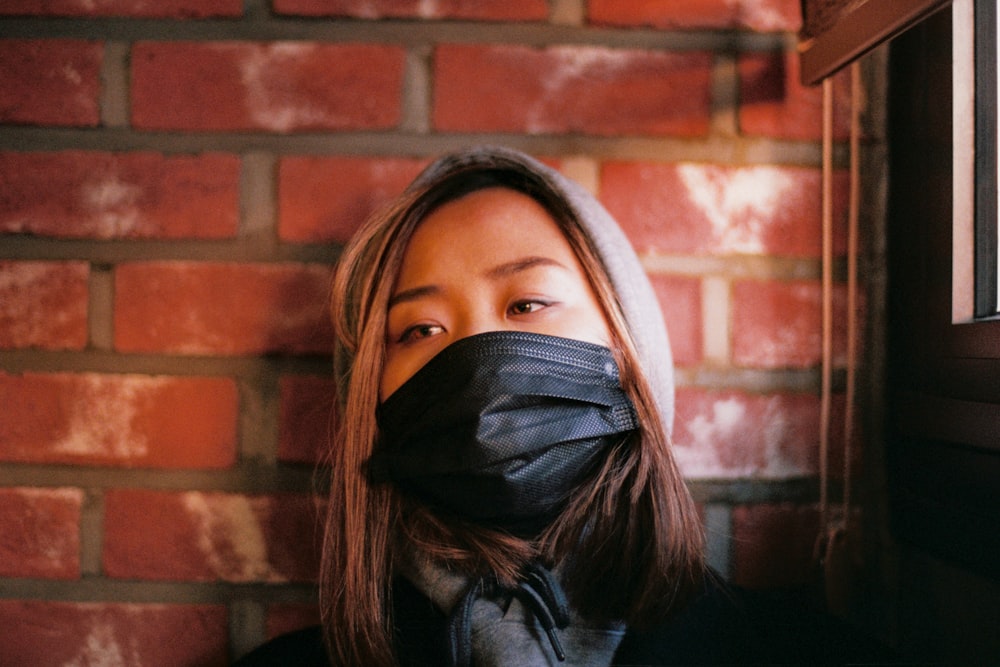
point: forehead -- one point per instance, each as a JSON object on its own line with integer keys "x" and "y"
{"x": 486, "y": 227}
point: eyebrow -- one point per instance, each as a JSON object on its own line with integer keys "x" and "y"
{"x": 413, "y": 294}
{"x": 494, "y": 273}
{"x": 523, "y": 264}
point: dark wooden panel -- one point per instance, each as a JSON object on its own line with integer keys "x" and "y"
{"x": 943, "y": 379}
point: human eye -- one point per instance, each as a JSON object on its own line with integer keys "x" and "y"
{"x": 418, "y": 332}
{"x": 528, "y": 306}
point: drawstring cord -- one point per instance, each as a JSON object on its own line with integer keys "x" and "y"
{"x": 545, "y": 597}
{"x": 831, "y": 544}
{"x": 540, "y": 592}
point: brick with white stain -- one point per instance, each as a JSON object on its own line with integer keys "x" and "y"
{"x": 759, "y": 15}
{"x": 112, "y": 634}
{"x": 199, "y": 308}
{"x": 118, "y": 420}
{"x": 272, "y": 86}
{"x": 43, "y": 304}
{"x": 211, "y": 536}
{"x": 509, "y": 10}
{"x": 174, "y": 9}
{"x": 50, "y": 82}
{"x": 732, "y": 434}
{"x": 563, "y": 89}
{"x": 705, "y": 209}
{"x": 136, "y": 195}
{"x": 779, "y": 324}
{"x": 40, "y": 532}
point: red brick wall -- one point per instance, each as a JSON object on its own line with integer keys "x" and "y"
{"x": 176, "y": 180}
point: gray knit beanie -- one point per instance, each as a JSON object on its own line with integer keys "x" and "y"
{"x": 636, "y": 295}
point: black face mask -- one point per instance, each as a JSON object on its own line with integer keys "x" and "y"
{"x": 500, "y": 428}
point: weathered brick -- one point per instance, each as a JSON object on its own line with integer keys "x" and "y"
{"x": 307, "y": 419}
{"x": 227, "y": 308}
{"x": 703, "y": 209}
{"x": 208, "y": 536}
{"x": 282, "y": 618}
{"x": 88, "y": 633}
{"x": 275, "y": 86}
{"x": 43, "y": 305}
{"x": 509, "y": 10}
{"x": 773, "y": 545}
{"x": 322, "y": 199}
{"x": 780, "y": 325}
{"x": 173, "y": 9}
{"x": 40, "y": 533}
{"x": 760, "y": 15}
{"x": 774, "y": 104}
{"x": 729, "y": 434}
{"x": 81, "y": 194}
{"x": 118, "y": 420}
{"x": 680, "y": 300}
{"x": 569, "y": 89}
{"x": 50, "y": 82}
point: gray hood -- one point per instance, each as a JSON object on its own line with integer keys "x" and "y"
{"x": 638, "y": 300}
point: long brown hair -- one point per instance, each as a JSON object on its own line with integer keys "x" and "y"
{"x": 633, "y": 523}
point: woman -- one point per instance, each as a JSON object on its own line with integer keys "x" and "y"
{"x": 503, "y": 489}
{"x": 631, "y": 519}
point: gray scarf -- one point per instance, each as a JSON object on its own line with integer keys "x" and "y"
{"x": 507, "y": 627}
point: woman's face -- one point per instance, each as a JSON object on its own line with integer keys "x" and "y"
{"x": 493, "y": 260}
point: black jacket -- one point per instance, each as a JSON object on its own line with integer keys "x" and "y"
{"x": 722, "y": 626}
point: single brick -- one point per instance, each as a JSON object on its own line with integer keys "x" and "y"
{"x": 312, "y": 211}
{"x": 780, "y": 324}
{"x": 680, "y": 300}
{"x": 81, "y": 194}
{"x": 322, "y": 199}
{"x": 167, "y": 9}
{"x": 760, "y": 15}
{"x": 773, "y": 103}
{"x": 43, "y": 305}
{"x": 773, "y": 545}
{"x": 509, "y": 10}
{"x": 50, "y": 82}
{"x": 43, "y": 632}
{"x": 287, "y": 617}
{"x": 204, "y": 536}
{"x": 732, "y": 434}
{"x": 307, "y": 419}
{"x": 118, "y": 420}
{"x": 222, "y": 308}
{"x": 274, "y": 86}
{"x": 571, "y": 89}
{"x": 703, "y": 209}
{"x": 40, "y": 533}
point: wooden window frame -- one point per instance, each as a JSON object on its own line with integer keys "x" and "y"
{"x": 858, "y": 29}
